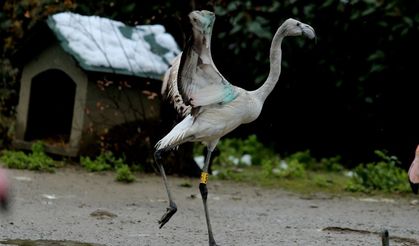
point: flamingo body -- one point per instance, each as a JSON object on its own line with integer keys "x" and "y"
{"x": 207, "y": 126}
{"x": 212, "y": 106}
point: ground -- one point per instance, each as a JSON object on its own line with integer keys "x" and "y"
{"x": 74, "y": 206}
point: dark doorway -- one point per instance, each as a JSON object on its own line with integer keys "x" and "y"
{"x": 51, "y": 107}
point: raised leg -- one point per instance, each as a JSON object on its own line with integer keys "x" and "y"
{"x": 204, "y": 193}
{"x": 171, "y": 210}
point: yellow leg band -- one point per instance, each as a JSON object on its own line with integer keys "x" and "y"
{"x": 204, "y": 178}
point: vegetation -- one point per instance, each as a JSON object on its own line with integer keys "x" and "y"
{"x": 124, "y": 174}
{"x": 383, "y": 175}
{"x": 107, "y": 161}
{"x": 247, "y": 160}
{"x": 37, "y": 160}
{"x": 302, "y": 172}
{"x": 104, "y": 162}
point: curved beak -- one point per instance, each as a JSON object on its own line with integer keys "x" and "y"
{"x": 308, "y": 31}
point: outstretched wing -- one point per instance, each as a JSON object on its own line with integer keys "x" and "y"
{"x": 170, "y": 88}
{"x": 200, "y": 83}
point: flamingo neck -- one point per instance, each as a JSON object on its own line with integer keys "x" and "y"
{"x": 202, "y": 44}
{"x": 275, "y": 58}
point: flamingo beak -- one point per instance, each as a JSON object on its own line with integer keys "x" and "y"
{"x": 308, "y": 31}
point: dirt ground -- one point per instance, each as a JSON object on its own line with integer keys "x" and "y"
{"x": 74, "y": 205}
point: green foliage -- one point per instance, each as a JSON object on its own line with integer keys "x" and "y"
{"x": 230, "y": 161}
{"x": 94, "y": 165}
{"x": 305, "y": 172}
{"x": 124, "y": 174}
{"x": 303, "y": 157}
{"x": 291, "y": 169}
{"x": 104, "y": 162}
{"x": 231, "y": 164}
{"x": 322, "y": 181}
{"x": 232, "y": 151}
{"x": 332, "y": 164}
{"x": 37, "y": 160}
{"x": 383, "y": 175}
{"x": 270, "y": 167}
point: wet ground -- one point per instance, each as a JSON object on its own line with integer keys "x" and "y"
{"x": 73, "y": 207}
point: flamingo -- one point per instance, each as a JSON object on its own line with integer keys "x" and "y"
{"x": 414, "y": 172}
{"x": 4, "y": 190}
{"x": 213, "y": 107}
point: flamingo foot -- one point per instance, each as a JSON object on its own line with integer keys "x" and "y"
{"x": 171, "y": 210}
{"x": 213, "y": 244}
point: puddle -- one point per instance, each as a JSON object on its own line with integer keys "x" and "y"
{"x": 22, "y": 242}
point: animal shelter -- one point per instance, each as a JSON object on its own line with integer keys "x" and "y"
{"x": 81, "y": 76}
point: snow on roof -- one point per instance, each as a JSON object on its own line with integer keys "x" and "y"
{"x": 101, "y": 44}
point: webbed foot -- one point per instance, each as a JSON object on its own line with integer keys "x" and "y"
{"x": 171, "y": 210}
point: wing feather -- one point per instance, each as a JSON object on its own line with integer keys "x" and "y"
{"x": 193, "y": 81}
{"x": 170, "y": 88}
{"x": 200, "y": 84}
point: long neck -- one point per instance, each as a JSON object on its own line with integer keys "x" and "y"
{"x": 202, "y": 44}
{"x": 275, "y": 59}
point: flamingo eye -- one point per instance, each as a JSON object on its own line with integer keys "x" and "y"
{"x": 298, "y": 23}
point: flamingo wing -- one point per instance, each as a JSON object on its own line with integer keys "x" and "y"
{"x": 199, "y": 83}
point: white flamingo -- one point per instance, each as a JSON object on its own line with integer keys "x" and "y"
{"x": 212, "y": 106}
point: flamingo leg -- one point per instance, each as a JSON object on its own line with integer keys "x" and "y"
{"x": 385, "y": 239}
{"x": 204, "y": 193}
{"x": 171, "y": 210}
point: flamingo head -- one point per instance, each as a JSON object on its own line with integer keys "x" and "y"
{"x": 294, "y": 27}
{"x": 202, "y": 21}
